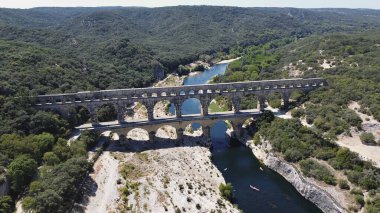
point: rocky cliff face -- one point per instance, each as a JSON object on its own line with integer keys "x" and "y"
{"x": 315, "y": 194}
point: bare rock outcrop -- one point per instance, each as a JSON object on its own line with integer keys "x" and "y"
{"x": 310, "y": 191}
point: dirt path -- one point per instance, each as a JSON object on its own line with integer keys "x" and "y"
{"x": 228, "y": 61}
{"x": 104, "y": 184}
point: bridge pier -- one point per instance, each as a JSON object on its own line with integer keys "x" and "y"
{"x": 180, "y": 136}
{"x": 205, "y": 102}
{"x": 236, "y": 104}
{"x": 285, "y": 99}
{"x": 206, "y": 131}
{"x": 150, "y": 109}
{"x": 120, "y": 114}
{"x": 178, "y": 111}
{"x": 93, "y": 115}
{"x": 237, "y": 131}
{"x": 262, "y": 104}
{"x": 152, "y": 136}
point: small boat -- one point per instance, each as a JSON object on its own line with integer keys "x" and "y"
{"x": 261, "y": 168}
{"x": 225, "y": 169}
{"x": 254, "y": 188}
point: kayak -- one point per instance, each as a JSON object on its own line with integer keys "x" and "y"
{"x": 254, "y": 188}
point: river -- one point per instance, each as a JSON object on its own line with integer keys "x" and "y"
{"x": 241, "y": 168}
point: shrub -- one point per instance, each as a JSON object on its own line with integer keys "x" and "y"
{"x": 226, "y": 191}
{"x": 373, "y": 206}
{"x": 292, "y": 155}
{"x": 343, "y": 184}
{"x": 256, "y": 139}
{"x": 6, "y": 204}
{"x": 325, "y": 153}
{"x": 367, "y": 138}
{"x": 298, "y": 113}
{"x": 312, "y": 168}
{"x": 21, "y": 171}
{"x": 360, "y": 199}
{"x": 345, "y": 159}
{"x": 50, "y": 158}
{"x": 198, "y": 206}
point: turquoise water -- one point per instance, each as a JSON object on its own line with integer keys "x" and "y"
{"x": 241, "y": 168}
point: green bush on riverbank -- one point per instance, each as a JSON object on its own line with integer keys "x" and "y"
{"x": 312, "y": 168}
{"x": 226, "y": 190}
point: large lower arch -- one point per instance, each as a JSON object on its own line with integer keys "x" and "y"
{"x": 220, "y": 104}
{"x": 249, "y": 102}
{"x": 106, "y": 112}
{"x": 167, "y": 132}
{"x": 164, "y": 109}
{"x": 275, "y": 100}
{"x": 191, "y": 106}
{"x": 194, "y": 130}
{"x": 221, "y": 133}
{"x": 135, "y": 111}
{"x": 138, "y": 134}
{"x": 79, "y": 115}
{"x": 296, "y": 96}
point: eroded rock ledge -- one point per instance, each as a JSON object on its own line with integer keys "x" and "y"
{"x": 310, "y": 191}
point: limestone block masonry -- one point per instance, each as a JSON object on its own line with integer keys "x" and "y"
{"x": 122, "y": 98}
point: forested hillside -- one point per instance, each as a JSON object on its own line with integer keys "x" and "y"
{"x": 171, "y": 36}
{"x": 350, "y": 62}
{"x": 55, "y": 50}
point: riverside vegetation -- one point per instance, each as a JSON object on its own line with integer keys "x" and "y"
{"x": 54, "y": 50}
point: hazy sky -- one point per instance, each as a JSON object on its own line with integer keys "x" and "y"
{"x": 375, "y": 4}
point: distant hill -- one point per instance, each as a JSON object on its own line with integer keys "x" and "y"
{"x": 166, "y": 37}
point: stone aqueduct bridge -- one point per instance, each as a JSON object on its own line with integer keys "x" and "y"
{"x": 122, "y": 98}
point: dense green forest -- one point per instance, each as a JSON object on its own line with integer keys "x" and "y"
{"x": 54, "y": 50}
{"x": 123, "y": 46}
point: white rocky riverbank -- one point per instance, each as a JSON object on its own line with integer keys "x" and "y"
{"x": 166, "y": 179}
{"x": 326, "y": 201}
{"x": 181, "y": 178}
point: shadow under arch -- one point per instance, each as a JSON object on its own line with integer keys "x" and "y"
{"x": 191, "y": 106}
